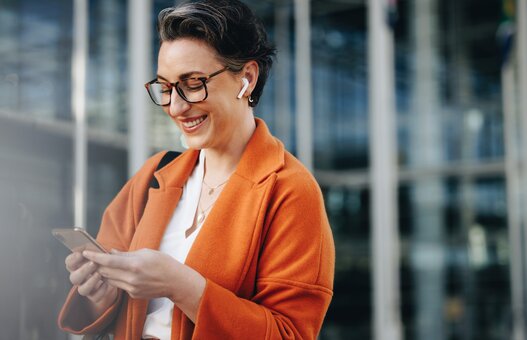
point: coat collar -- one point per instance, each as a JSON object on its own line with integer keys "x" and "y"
{"x": 263, "y": 155}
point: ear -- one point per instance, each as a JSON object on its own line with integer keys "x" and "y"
{"x": 250, "y": 72}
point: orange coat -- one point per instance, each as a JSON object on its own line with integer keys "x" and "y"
{"x": 266, "y": 249}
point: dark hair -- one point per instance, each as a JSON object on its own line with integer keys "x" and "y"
{"x": 228, "y": 26}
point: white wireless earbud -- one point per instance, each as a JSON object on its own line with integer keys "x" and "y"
{"x": 244, "y": 88}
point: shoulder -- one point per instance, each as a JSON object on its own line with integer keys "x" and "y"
{"x": 297, "y": 198}
{"x": 295, "y": 179}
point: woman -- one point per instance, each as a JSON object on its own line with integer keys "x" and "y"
{"x": 235, "y": 242}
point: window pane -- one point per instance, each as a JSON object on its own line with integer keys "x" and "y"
{"x": 107, "y": 76}
{"x": 35, "y": 59}
{"x": 340, "y": 87}
{"x": 448, "y": 82}
{"x": 349, "y": 315}
{"x": 455, "y": 259}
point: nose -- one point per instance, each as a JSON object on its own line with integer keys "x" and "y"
{"x": 177, "y": 105}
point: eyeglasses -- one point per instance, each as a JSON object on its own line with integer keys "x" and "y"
{"x": 192, "y": 90}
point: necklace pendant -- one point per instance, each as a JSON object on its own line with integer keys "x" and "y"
{"x": 211, "y": 191}
{"x": 201, "y": 217}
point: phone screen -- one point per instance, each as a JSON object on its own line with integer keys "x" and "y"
{"x": 77, "y": 239}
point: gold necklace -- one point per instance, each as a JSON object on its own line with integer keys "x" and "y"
{"x": 211, "y": 189}
{"x": 203, "y": 212}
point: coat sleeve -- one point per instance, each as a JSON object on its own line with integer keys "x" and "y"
{"x": 116, "y": 231}
{"x": 294, "y": 277}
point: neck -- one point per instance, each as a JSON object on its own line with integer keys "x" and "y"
{"x": 223, "y": 161}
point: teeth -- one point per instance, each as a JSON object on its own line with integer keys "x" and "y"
{"x": 194, "y": 122}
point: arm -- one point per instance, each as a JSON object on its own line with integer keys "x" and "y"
{"x": 294, "y": 275}
{"x": 80, "y": 315}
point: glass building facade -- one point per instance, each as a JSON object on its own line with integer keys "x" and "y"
{"x": 460, "y": 152}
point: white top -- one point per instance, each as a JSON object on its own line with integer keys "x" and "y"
{"x": 159, "y": 316}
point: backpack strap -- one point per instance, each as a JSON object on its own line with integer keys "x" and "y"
{"x": 167, "y": 158}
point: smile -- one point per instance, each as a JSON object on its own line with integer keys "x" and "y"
{"x": 193, "y": 123}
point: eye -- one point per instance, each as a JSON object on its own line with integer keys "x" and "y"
{"x": 192, "y": 84}
{"x": 165, "y": 87}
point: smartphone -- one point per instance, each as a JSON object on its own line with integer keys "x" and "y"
{"x": 77, "y": 239}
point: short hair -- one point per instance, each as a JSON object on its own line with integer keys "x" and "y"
{"x": 228, "y": 26}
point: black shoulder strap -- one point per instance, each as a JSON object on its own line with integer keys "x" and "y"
{"x": 167, "y": 158}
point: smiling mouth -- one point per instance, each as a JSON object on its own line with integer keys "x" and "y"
{"x": 190, "y": 124}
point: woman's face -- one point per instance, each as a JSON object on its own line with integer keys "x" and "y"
{"x": 212, "y": 123}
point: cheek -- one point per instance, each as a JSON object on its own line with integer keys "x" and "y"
{"x": 225, "y": 94}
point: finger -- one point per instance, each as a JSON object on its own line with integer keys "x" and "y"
{"x": 79, "y": 276}
{"x": 74, "y": 261}
{"x": 114, "y": 273}
{"x": 88, "y": 287}
{"x": 114, "y": 251}
{"x": 107, "y": 260}
{"x": 121, "y": 285}
{"x": 99, "y": 293}
{"x": 99, "y": 283}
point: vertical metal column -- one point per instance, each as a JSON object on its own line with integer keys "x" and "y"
{"x": 304, "y": 118}
{"x": 512, "y": 172}
{"x": 385, "y": 239}
{"x": 521, "y": 90}
{"x": 78, "y": 105}
{"x": 427, "y": 251}
{"x": 139, "y": 70}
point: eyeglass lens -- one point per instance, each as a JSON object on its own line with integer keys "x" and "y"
{"x": 192, "y": 90}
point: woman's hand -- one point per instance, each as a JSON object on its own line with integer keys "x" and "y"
{"x": 141, "y": 273}
{"x": 84, "y": 275}
{"x": 148, "y": 274}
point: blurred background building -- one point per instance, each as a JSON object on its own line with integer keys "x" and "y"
{"x": 75, "y": 122}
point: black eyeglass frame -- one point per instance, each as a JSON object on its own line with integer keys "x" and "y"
{"x": 204, "y": 80}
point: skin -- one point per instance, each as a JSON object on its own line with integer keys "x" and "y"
{"x": 83, "y": 273}
{"x": 229, "y": 124}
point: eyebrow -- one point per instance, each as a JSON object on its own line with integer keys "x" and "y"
{"x": 181, "y": 76}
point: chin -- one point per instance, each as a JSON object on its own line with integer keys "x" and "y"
{"x": 195, "y": 143}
